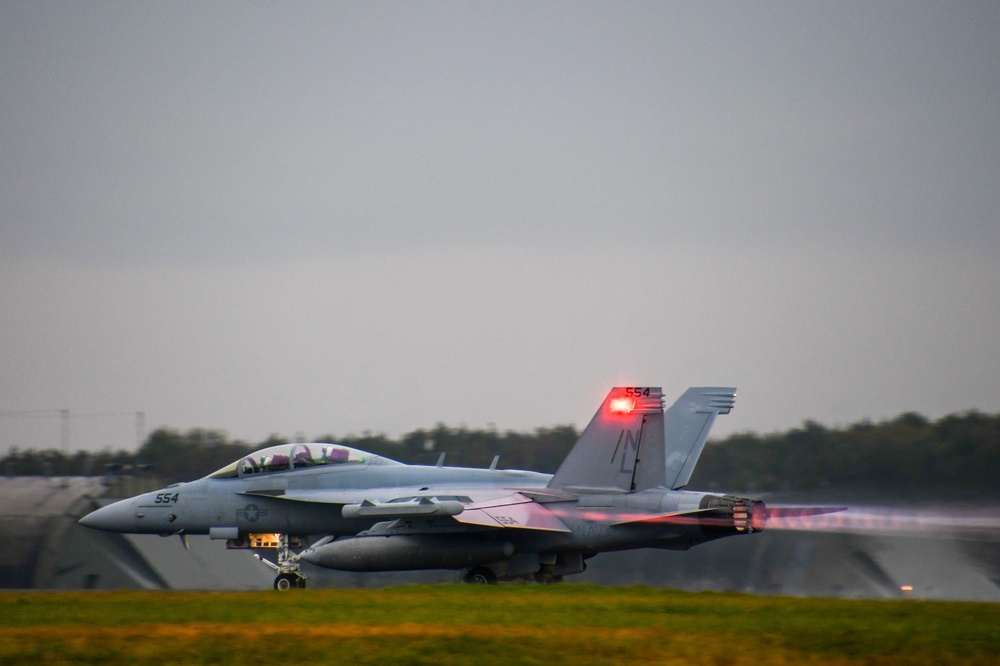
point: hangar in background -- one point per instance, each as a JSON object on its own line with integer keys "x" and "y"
{"x": 45, "y": 548}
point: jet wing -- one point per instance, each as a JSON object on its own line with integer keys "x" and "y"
{"x": 510, "y": 510}
{"x": 513, "y": 511}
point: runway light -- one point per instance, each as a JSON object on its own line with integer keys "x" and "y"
{"x": 622, "y": 405}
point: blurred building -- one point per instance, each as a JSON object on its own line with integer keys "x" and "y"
{"x": 45, "y": 548}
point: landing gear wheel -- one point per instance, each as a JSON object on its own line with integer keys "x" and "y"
{"x": 481, "y": 576}
{"x": 287, "y": 567}
{"x": 287, "y": 581}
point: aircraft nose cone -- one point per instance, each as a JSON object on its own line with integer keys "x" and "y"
{"x": 117, "y": 517}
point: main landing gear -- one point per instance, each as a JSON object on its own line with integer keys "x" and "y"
{"x": 289, "y": 575}
{"x": 480, "y": 576}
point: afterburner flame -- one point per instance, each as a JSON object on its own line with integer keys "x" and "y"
{"x": 893, "y": 520}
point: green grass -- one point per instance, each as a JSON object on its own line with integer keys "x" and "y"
{"x": 444, "y": 624}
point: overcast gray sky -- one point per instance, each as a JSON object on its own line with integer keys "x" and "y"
{"x": 336, "y": 217}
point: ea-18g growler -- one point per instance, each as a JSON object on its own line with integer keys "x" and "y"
{"x": 621, "y": 486}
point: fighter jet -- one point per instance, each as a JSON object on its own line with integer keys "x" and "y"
{"x": 622, "y": 486}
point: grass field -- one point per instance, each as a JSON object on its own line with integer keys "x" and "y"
{"x": 446, "y": 624}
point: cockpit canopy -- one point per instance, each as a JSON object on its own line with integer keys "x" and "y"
{"x": 292, "y": 457}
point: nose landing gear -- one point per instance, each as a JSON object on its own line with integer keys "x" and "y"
{"x": 289, "y": 574}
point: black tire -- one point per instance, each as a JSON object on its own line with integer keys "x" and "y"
{"x": 284, "y": 582}
{"x": 481, "y": 576}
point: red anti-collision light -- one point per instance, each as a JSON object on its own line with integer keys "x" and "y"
{"x": 622, "y": 405}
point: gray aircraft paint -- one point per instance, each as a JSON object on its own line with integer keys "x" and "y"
{"x": 617, "y": 489}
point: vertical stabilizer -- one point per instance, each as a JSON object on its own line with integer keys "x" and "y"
{"x": 686, "y": 426}
{"x": 622, "y": 449}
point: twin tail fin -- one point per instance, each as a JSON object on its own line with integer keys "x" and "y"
{"x": 632, "y": 444}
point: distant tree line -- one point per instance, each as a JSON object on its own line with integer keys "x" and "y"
{"x": 957, "y": 456}
{"x": 908, "y": 457}
{"x": 181, "y": 456}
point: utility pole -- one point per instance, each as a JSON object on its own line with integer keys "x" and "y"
{"x": 64, "y": 430}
